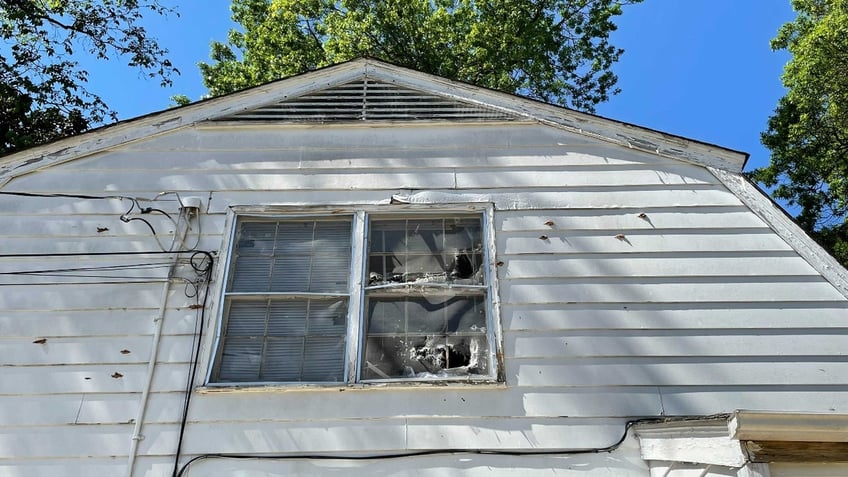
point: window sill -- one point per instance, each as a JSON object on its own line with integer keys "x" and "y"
{"x": 335, "y": 387}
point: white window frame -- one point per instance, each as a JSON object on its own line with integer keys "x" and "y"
{"x": 360, "y": 226}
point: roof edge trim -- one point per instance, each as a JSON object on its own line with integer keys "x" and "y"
{"x": 598, "y": 127}
{"x": 785, "y": 227}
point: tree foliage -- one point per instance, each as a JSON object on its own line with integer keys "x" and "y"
{"x": 808, "y": 133}
{"x": 554, "y": 50}
{"x": 42, "y": 86}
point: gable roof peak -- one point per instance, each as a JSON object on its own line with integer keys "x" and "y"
{"x": 369, "y": 69}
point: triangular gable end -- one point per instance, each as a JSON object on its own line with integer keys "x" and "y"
{"x": 370, "y": 100}
{"x": 462, "y": 100}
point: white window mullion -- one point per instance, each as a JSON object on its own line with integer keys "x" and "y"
{"x": 359, "y": 247}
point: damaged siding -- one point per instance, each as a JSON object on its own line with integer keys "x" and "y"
{"x": 629, "y": 285}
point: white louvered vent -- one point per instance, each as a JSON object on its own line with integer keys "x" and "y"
{"x": 368, "y": 100}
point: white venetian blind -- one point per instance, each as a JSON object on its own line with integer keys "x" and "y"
{"x": 286, "y": 302}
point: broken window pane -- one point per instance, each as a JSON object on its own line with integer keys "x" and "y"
{"x": 425, "y": 336}
{"x": 422, "y": 357}
{"x": 426, "y": 250}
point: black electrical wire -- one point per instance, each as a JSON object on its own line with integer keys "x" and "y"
{"x": 60, "y": 271}
{"x": 69, "y": 196}
{"x": 516, "y": 453}
{"x": 97, "y": 254}
{"x": 205, "y": 271}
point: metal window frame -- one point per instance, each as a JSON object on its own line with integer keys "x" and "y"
{"x": 485, "y": 213}
{"x": 223, "y": 315}
{"x": 360, "y": 216}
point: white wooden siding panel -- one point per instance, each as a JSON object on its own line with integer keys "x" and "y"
{"x": 698, "y": 371}
{"x": 66, "y": 441}
{"x": 22, "y": 380}
{"x": 626, "y": 219}
{"x": 682, "y": 264}
{"x": 635, "y": 290}
{"x": 91, "y": 297}
{"x": 87, "y": 225}
{"x": 386, "y": 403}
{"x": 638, "y": 242}
{"x": 798, "y": 342}
{"x": 675, "y": 316}
{"x": 90, "y": 323}
{"x": 363, "y": 158}
{"x": 781, "y": 398}
{"x": 609, "y": 176}
{"x": 143, "y": 183}
{"x": 367, "y": 435}
{"x": 47, "y": 245}
{"x": 516, "y": 433}
{"x": 11, "y": 206}
{"x": 100, "y": 467}
{"x": 39, "y": 410}
{"x": 77, "y": 350}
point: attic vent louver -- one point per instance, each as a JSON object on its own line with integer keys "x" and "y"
{"x": 368, "y": 100}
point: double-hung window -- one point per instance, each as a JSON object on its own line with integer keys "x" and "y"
{"x": 368, "y": 297}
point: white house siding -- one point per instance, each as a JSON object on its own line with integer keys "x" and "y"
{"x": 655, "y": 292}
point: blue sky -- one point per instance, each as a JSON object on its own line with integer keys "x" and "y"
{"x": 701, "y": 69}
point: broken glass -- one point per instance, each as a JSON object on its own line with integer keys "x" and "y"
{"x": 443, "y": 250}
{"x": 419, "y": 336}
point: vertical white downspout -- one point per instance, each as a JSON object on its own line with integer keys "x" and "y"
{"x": 151, "y": 365}
{"x": 186, "y": 213}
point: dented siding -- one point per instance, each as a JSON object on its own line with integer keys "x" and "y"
{"x": 629, "y": 285}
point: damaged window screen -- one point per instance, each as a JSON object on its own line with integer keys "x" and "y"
{"x": 286, "y": 302}
{"x": 425, "y": 300}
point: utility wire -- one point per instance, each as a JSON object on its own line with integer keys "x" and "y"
{"x": 403, "y": 455}
{"x": 204, "y": 270}
{"x": 95, "y": 254}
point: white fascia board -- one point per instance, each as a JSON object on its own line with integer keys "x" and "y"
{"x": 707, "y": 442}
{"x": 793, "y": 427}
{"x": 151, "y": 125}
{"x": 608, "y": 130}
{"x": 786, "y": 228}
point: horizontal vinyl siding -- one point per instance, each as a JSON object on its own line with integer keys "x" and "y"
{"x": 629, "y": 285}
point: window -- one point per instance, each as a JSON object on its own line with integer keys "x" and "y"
{"x": 361, "y": 298}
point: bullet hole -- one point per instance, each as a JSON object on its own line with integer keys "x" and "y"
{"x": 549, "y": 223}
{"x": 40, "y": 341}
{"x": 500, "y": 263}
{"x": 87, "y": 378}
{"x": 643, "y": 216}
{"x": 100, "y": 230}
{"x": 462, "y": 399}
{"x": 125, "y": 351}
{"x": 620, "y": 237}
{"x": 543, "y": 237}
{"x": 117, "y": 375}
